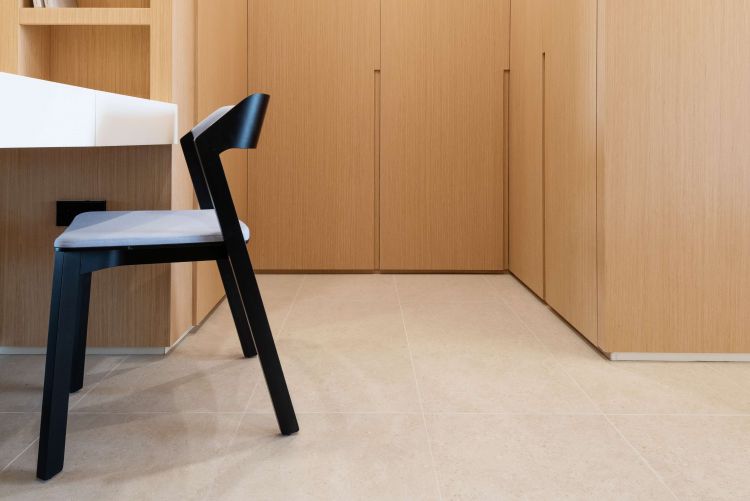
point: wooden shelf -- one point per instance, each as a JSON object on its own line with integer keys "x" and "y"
{"x": 84, "y": 17}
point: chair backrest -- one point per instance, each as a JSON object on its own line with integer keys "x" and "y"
{"x": 229, "y": 127}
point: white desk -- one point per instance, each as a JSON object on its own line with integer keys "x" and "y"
{"x": 41, "y": 114}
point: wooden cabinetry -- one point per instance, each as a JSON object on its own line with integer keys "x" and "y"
{"x": 142, "y": 48}
{"x": 674, "y": 181}
{"x": 311, "y": 182}
{"x": 442, "y": 130}
{"x": 569, "y": 39}
{"x": 629, "y": 129}
{"x": 526, "y": 175}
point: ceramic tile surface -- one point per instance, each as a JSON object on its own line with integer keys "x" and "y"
{"x": 407, "y": 387}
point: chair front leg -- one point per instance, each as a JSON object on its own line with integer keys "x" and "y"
{"x": 63, "y": 328}
{"x": 261, "y": 330}
{"x": 238, "y": 310}
{"x": 79, "y": 351}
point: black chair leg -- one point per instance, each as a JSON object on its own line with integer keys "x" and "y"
{"x": 79, "y": 350}
{"x": 238, "y": 310}
{"x": 63, "y": 328}
{"x": 269, "y": 357}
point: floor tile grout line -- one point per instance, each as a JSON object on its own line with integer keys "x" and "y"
{"x": 236, "y": 430}
{"x": 641, "y": 457}
{"x": 419, "y": 392}
{"x": 19, "y": 454}
{"x": 627, "y": 442}
{"x": 93, "y": 386}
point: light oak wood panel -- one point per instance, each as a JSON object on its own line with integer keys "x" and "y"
{"x": 525, "y": 176}
{"x": 673, "y": 174}
{"x": 85, "y": 16}
{"x": 441, "y": 170}
{"x": 108, "y": 58}
{"x": 130, "y": 4}
{"x": 311, "y": 180}
{"x": 221, "y": 79}
{"x": 8, "y": 36}
{"x": 128, "y": 305}
{"x": 183, "y": 93}
{"x": 570, "y": 161}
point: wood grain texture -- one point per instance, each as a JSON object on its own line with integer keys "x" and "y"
{"x": 182, "y": 78}
{"x": 108, "y": 58}
{"x": 311, "y": 180}
{"x": 128, "y": 305}
{"x": 85, "y": 16}
{"x": 221, "y": 79}
{"x": 525, "y": 176}
{"x": 674, "y": 267}
{"x": 9, "y": 36}
{"x": 441, "y": 183}
{"x": 569, "y": 40}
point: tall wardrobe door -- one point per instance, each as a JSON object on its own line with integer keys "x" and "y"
{"x": 442, "y": 152}
{"x": 570, "y": 161}
{"x": 311, "y": 182}
{"x": 674, "y": 176}
{"x": 525, "y": 179}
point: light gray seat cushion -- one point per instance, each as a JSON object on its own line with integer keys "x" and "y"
{"x": 141, "y": 228}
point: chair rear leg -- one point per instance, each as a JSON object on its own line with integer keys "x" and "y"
{"x": 63, "y": 326}
{"x": 79, "y": 350}
{"x": 261, "y": 330}
{"x": 238, "y": 310}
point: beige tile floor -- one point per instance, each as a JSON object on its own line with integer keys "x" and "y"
{"x": 407, "y": 387}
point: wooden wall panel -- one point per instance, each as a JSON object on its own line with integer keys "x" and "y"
{"x": 311, "y": 180}
{"x": 673, "y": 174}
{"x": 183, "y": 93}
{"x": 128, "y": 305}
{"x": 221, "y": 79}
{"x": 569, "y": 41}
{"x": 442, "y": 151}
{"x": 525, "y": 177}
{"x": 108, "y": 58}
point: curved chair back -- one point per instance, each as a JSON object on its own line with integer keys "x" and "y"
{"x": 227, "y": 128}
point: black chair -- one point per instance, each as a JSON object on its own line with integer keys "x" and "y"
{"x": 100, "y": 240}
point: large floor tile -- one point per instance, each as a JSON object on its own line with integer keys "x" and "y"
{"x": 345, "y": 357}
{"x": 479, "y": 358}
{"x": 118, "y": 456}
{"x": 217, "y": 337}
{"x": 17, "y": 431}
{"x": 444, "y": 289}
{"x": 279, "y": 287}
{"x": 659, "y": 388}
{"x": 699, "y": 457}
{"x": 537, "y": 457}
{"x": 372, "y": 288}
{"x": 334, "y": 456}
{"x": 22, "y": 380}
{"x": 174, "y": 384}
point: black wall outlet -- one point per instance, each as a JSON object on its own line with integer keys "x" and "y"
{"x": 67, "y": 210}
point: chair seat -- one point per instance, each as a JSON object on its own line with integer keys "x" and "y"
{"x": 143, "y": 228}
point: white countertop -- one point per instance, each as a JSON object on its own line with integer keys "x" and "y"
{"x": 41, "y": 114}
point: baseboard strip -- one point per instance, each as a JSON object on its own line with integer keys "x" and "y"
{"x": 679, "y": 357}
{"x": 22, "y": 350}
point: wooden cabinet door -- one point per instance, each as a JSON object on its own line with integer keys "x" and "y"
{"x": 569, "y": 39}
{"x": 674, "y": 176}
{"x": 311, "y": 182}
{"x": 525, "y": 177}
{"x": 442, "y": 152}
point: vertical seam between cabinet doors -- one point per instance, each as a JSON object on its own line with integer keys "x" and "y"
{"x": 506, "y": 169}
{"x": 376, "y": 162}
{"x": 544, "y": 176}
